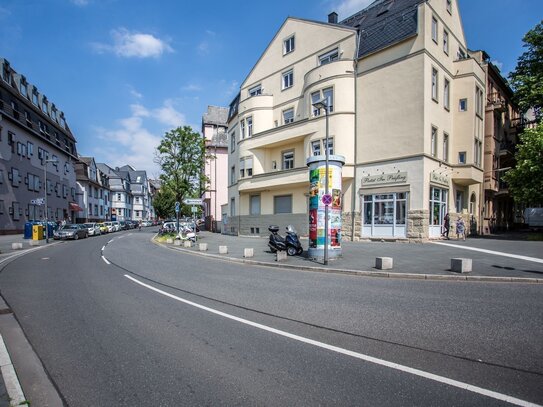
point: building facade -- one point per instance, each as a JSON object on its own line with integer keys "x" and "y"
{"x": 214, "y": 131}
{"x": 35, "y": 143}
{"x": 92, "y": 191}
{"x": 406, "y": 111}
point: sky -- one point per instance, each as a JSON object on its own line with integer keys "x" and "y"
{"x": 126, "y": 71}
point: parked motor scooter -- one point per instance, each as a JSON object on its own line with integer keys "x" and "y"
{"x": 290, "y": 243}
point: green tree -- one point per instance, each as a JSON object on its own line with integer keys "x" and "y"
{"x": 164, "y": 203}
{"x": 181, "y": 156}
{"x": 526, "y": 179}
{"x": 527, "y": 78}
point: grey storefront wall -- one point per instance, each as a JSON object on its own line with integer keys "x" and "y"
{"x": 257, "y": 225}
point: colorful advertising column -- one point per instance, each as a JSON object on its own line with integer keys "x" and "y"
{"x": 317, "y": 202}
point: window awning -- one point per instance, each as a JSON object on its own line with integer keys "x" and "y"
{"x": 75, "y": 207}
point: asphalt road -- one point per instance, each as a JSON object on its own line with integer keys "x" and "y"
{"x": 248, "y": 335}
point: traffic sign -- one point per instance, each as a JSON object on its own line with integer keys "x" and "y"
{"x": 177, "y": 207}
{"x": 193, "y": 201}
{"x": 37, "y": 201}
{"x": 326, "y": 199}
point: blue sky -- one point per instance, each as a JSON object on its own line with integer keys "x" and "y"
{"x": 126, "y": 71}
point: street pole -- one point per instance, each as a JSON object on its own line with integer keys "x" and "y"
{"x": 45, "y": 194}
{"x": 326, "y": 187}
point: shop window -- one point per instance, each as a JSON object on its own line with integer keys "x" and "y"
{"x": 438, "y": 205}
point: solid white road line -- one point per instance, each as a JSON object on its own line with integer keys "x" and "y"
{"x": 103, "y": 248}
{"x": 107, "y": 262}
{"x": 110, "y": 241}
{"x": 514, "y": 256}
{"x": 11, "y": 381}
{"x": 367, "y": 358}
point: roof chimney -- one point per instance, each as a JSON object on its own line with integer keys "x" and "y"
{"x": 332, "y": 17}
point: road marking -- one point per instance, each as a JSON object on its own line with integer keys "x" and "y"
{"x": 103, "y": 248}
{"x": 45, "y": 258}
{"x": 367, "y": 358}
{"x": 107, "y": 262}
{"x": 514, "y": 256}
{"x": 11, "y": 381}
{"x": 110, "y": 241}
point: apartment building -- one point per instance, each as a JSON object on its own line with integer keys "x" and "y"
{"x": 121, "y": 197}
{"x": 35, "y": 143}
{"x": 406, "y": 111}
{"x": 92, "y": 191}
{"x": 214, "y": 131}
{"x": 139, "y": 189}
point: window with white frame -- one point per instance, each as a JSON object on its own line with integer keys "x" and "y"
{"x": 250, "y": 126}
{"x": 288, "y": 45}
{"x": 23, "y": 88}
{"x": 288, "y": 116}
{"x": 249, "y": 166}
{"x": 287, "y": 160}
{"x": 445, "y": 147}
{"x": 316, "y": 147}
{"x": 433, "y": 142}
{"x": 35, "y": 96}
{"x": 328, "y": 57}
{"x": 15, "y": 177}
{"x": 445, "y": 42}
{"x": 315, "y": 97}
{"x": 44, "y": 105}
{"x": 288, "y": 79}
{"x": 242, "y": 129}
{"x": 328, "y": 94}
{"x": 479, "y": 101}
{"x": 478, "y": 149}
{"x": 242, "y": 167}
{"x": 255, "y": 90}
{"x": 330, "y": 145}
{"x": 434, "y": 84}
{"x": 446, "y": 94}
{"x": 434, "y": 29}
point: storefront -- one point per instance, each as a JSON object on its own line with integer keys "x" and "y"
{"x": 439, "y": 194}
{"x": 384, "y": 203}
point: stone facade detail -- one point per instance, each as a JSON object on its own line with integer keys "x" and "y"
{"x": 347, "y": 226}
{"x": 418, "y": 223}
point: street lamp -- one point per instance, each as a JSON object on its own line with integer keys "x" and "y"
{"x": 325, "y": 104}
{"x": 45, "y": 194}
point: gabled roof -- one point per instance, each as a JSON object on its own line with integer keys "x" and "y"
{"x": 215, "y": 115}
{"x": 384, "y": 23}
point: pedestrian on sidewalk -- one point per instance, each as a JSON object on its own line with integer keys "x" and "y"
{"x": 446, "y": 226}
{"x": 460, "y": 228}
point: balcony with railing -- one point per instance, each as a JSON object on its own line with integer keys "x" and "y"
{"x": 496, "y": 102}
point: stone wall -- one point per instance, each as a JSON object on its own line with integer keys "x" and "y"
{"x": 347, "y": 226}
{"x": 418, "y": 223}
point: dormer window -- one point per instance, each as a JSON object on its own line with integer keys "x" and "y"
{"x": 44, "y": 105}
{"x": 62, "y": 121}
{"x": 35, "y": 96}
{"x": 6, "y": 74}
{"x": 22, "y": 87}
{"x": 288, "y": 45}
{"x": 54, "y": 113}
{"x": 255, "y": 90}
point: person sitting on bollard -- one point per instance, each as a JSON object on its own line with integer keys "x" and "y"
{"x": 446, "y": 226}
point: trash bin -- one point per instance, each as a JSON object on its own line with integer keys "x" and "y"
{"x": 28, "y": 230}
{"x": 37, "y": 232}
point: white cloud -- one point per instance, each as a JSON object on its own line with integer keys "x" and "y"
{"x": 191, "y": 87}
{"x": 498, "y": 64}
{"x": 132, "y": 142}
{"x": 203, "y": 48}
{"x": 133, "y": 44}
{"x": 347, "y": 8}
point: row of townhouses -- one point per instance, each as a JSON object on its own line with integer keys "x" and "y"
{"x": 39, "y": 160}
{"x": 425, "y": 127}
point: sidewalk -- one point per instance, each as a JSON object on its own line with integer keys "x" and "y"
{"x": 496, "y": 260}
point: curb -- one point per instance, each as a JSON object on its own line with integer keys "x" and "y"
{"x": 381, "y": 274}
{"x": 11, "y": 381}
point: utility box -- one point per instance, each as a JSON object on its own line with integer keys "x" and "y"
{"x": 37, "y": 232}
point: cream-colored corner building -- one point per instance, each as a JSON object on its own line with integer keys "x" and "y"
{"x": 406, "y": 112}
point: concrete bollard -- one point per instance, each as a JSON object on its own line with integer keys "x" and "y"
{"x": 460, "y": 265}
{"x": 202, "y": 247}
{"x": 383, "y": 263}
{"x": 223, "y": 249}
{"x": 169, "y": 240}
{"x": 177, "y": 243}
{"x": 16, "y": 246}
{"x": 34, "y": 242}
{"x": 187, "y": 243}
{"x": 281, "y": 256}
{"x": 248, "y": 252}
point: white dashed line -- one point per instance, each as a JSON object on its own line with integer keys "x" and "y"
{"x": 107, "y": 262}
{"x": 367, "y": 358}
{"x": 514, "y": 256}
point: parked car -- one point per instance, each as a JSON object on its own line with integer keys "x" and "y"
{"x": 116, "y": 225}
{"x": 93, "y": 229}
{"x": 110, "y": 227}
{"x": 103, "y": 227}
{"x": 72, "y": 231}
